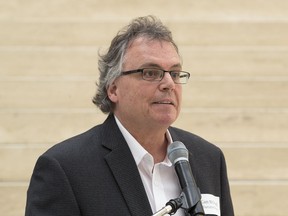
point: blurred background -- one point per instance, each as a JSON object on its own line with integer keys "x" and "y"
{"x": 237, "y": 97}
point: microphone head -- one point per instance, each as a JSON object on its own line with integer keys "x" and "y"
{"x": 177, "y": 151}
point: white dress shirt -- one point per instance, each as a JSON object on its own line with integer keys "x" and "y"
{"x": 160, "y": 180}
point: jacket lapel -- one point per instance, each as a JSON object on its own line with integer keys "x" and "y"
{"x": 124, "y": 169}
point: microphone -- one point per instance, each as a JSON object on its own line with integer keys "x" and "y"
{"x": 191, "y": 196}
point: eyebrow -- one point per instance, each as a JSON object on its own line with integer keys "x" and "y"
{"x": 158, "y": 66}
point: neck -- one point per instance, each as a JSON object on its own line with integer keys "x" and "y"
{"x": 156, "y": 146}
{"x": 153, "y": 140}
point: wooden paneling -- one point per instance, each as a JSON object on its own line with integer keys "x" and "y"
{"x": 234, "y": 93}
{"x": 235, "y": 61}
{"x": 13, "y": 198}
{"x": 260, "y": 198}
{"x": 237, "y": 126}
{"x": 236, "y": 52}
{"x": 186, "y": 33}
{"x": 60, "y": 94}
{"x": 46, "y": 126}
{"x": 208, "y": 92}
{"x": 111, "y": 9}
{"x": 43, "y": 62}
{"x": 260, "y": 162}
{"x": 17, "y": 162}
{"x": 231, "y": 62}
{"x": 250, "y": 198}
{"x": 215, "y": 126}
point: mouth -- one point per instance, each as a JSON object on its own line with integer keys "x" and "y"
{"x": 165, "y": 102}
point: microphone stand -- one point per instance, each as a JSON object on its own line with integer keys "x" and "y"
{"x": 190, "y": 197}
{"x": 173, "y": 205}
{"x": 192, "y": 202}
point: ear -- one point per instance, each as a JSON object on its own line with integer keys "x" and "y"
{"x": 112, "y": 92}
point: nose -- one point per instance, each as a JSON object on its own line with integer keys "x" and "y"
{"x": 167, "y": 83}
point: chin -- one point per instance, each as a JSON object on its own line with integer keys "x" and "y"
{"x": 164, "y": 118}
{"x": 167, "y": 120}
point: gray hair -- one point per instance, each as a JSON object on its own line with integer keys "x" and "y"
{"x": 110, "y": 64}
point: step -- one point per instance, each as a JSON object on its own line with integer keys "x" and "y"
{"x": 204, "y": 92}
{"x": 249, "y": 163}
{"x": 116, "y": 10}
{"x": 73, "y": 33}
{"x": 215, "y": 125}
{"x": 198, "y": 60}
{"x": 256, "y": 198}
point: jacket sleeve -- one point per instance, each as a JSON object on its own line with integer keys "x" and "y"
{"x": 226, "y": 201}
{"x": 50, "y": 192}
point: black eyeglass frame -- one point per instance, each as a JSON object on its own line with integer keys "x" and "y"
{"x": 187, "y": 74}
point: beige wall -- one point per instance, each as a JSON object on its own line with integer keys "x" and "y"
{"x": 236, "y": 51}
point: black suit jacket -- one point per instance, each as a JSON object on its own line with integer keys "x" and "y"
{"x": 95, "y": 174}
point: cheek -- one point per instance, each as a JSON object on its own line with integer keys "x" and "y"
{"x": 140, "y": 98}
{"x": 179, "y": 94}
{"x": 180, "y": 99}
{"x": 131, "y": 95}
{"x": 136, "y": 96}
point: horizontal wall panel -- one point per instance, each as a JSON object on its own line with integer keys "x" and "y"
{"x": 250, "y": 163}
{"x": 231, "y": 34}
{"x": 77, "y": 92}
{"x": 199, "y": 61}
{"x": 221, "y": 92}
{"x": 235, "y": 61}
{"x": 111, "y": 9}
{"x": 221, "y": 127}
{"x": 228, "y": 126}
{"x": 260, "y": 199}
{"x": 185, "y": 33}
{"x": 57, "y": 33}
{"x": 248, "y": 199}
{"x": 48, "y": 94}
{"x": 13, "y": 199}
{"x": 17, "y": 163}
{"x": 266, "y": 163}
{"x": 46, "y": 127}
{"x": 237, "y": 96}
{"x": 43, "y": 61}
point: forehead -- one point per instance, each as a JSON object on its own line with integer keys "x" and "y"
{"x": 143, "y": 51}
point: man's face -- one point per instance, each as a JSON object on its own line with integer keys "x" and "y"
{"x": 141, "y": 102}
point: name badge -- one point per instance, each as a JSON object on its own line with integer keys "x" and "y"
{"x": 211, "y": 204}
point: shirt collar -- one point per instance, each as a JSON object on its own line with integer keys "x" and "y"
{"x": 136, "y": 148}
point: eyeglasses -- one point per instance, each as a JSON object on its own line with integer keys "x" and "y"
{"x": 152, "y": 74}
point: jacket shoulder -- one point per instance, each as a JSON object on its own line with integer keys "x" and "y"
{"x": 193, "y": 142}
{"x": 75, "y": 144}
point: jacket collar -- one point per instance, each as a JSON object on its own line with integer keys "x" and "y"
{"x": 124, "y": 169}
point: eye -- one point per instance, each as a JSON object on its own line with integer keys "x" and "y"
{"x": 175, "y": 75}
{"x": 151, "y": 74}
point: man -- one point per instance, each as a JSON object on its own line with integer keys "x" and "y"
{"x": 121, "y": 166}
